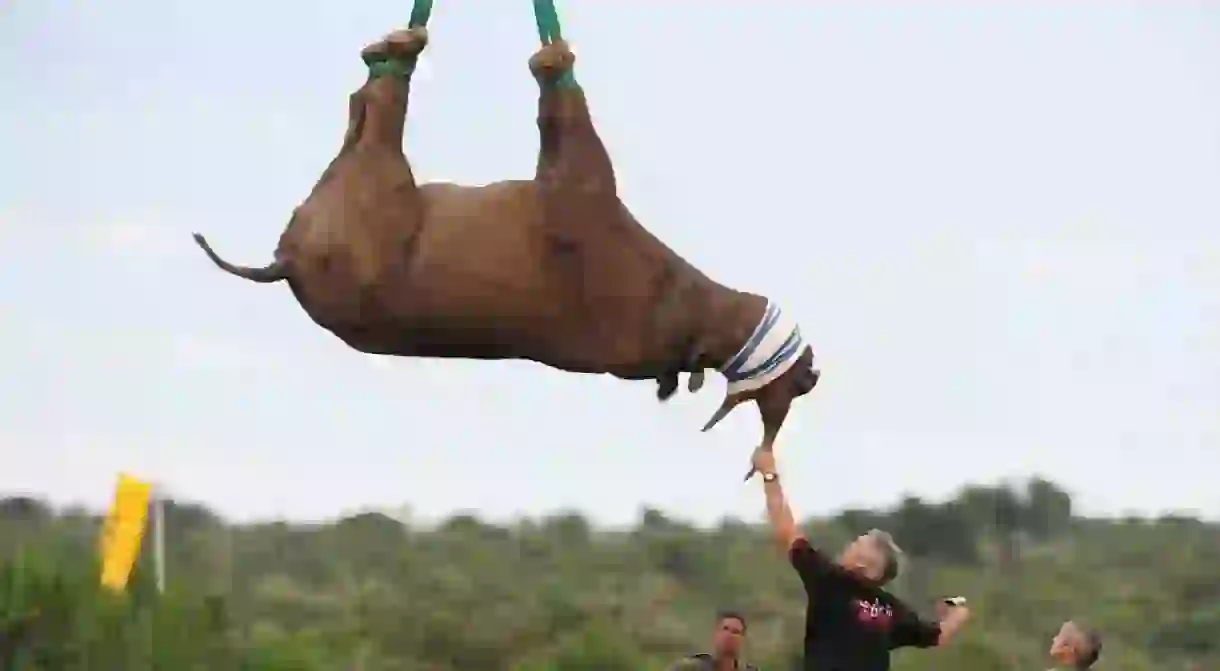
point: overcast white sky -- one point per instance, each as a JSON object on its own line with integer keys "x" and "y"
{"x": 998, "y": 221}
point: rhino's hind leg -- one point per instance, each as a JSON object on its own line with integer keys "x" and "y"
{"x": 571, "y": 156}
{"x": 377, "y": 112}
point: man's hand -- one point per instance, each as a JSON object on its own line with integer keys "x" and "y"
{"x": 952, "y": 613}
{"x": 763, "y": 460}
{"x": 944, "y": 606}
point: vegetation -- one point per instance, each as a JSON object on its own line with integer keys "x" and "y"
{"x": 371, "y": 593}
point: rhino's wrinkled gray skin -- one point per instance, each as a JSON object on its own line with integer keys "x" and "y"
{"x": 554, "y": 269}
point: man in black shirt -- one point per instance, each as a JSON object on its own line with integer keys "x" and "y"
{"x": 851, "y": 623}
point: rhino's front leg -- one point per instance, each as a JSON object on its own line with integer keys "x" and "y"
{"x": 572, "y": 161}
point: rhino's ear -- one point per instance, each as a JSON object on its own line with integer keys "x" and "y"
{"x": 666, "y": 386}
{"x": 695, "y": 383}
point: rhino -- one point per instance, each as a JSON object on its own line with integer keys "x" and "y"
{"x": 553, "y": 269}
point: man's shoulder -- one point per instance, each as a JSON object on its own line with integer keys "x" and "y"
{"x": 811, "y": 561}
{"x": 803, "y": 552}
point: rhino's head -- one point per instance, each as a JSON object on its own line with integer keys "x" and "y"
{"x": 775, "y": 397}
{"x": 772, "y": 368}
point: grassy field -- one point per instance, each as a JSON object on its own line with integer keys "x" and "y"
{"x": 370, "y": 593}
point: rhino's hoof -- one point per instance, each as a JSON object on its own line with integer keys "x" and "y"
{"x": 403, "y": 44}
{"x": 552, "y": 61}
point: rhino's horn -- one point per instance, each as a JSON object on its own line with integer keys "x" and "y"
{"x": 725, "y": 408}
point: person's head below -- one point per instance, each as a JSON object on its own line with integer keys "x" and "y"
{"x": 730, "y": 634}
{"x": 872, "y": 557}
{"x": 1075, "y": 647}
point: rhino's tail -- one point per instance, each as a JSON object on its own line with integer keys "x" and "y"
{"x": 265, "y": 275}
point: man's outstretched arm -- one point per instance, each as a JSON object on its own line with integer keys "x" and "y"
{"x": 811, "y": 565}
{"x": 779, "y": 514}
{"x": 912, "y": 631}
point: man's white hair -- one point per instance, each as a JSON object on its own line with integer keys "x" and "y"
{"x": 893, "y": 553}
{"x": 886, "y": 541}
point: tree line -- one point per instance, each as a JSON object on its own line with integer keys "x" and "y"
{"x": 373, "y": 593}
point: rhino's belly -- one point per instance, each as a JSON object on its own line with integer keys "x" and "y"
{"x": 478, "y": 257}
{"x": 484, "y": 281}
{"x": 474, "y": 285}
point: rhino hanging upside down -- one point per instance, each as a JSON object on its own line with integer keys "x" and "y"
{"x": 554, "y": 270}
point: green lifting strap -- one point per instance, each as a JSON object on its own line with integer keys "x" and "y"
{"x": 391, "y": 67}
{"x": 420, "y": 13}
{"x": 548, "y": 31}
{"x": 548, "y": 21}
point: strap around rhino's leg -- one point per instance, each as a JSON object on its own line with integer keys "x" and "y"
{"x": 385, "y": 61}
{"x": 392, "y": 67}
{"x": 383, "y": 98}
{"x": 550, "y": 32}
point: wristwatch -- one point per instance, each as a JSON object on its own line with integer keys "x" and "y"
{"x": 770, "y": 477}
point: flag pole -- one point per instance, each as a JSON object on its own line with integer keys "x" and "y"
{"x": 159, "y": 537}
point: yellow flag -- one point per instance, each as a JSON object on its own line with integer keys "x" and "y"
{"x": 123, "y": 531}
